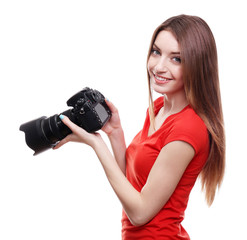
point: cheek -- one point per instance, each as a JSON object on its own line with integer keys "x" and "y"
{"x": 150, "y": 64}
{"x": 178, "y": 74}
{"x": 149, "y": 70}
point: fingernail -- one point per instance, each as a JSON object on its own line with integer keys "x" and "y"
{"x": 61, "y": 116}
{"x": 107, "y": 100}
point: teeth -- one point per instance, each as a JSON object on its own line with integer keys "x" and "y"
{"x": 161, "y": 78}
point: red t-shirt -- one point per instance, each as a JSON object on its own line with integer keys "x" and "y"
{"x": 140, "y": 156}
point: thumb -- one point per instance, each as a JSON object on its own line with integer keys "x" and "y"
{"x": 73, "y": 127}
{"x": 111, "y": 106}
{"x": 62, "y": 142}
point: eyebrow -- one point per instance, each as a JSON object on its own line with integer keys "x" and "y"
{"x": 172, "y": 53}
{"x": 154, "y": 45}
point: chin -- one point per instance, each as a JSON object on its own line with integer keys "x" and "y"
{"x": 160, "y": 89}
{"x": 167, "y": 88}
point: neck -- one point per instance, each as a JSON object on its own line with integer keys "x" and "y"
{"x": 174, "y": 103}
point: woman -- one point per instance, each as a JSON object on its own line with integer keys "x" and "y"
{"x": 182, "y": 137}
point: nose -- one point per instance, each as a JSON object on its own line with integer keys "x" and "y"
{"x": 161, "y": 65}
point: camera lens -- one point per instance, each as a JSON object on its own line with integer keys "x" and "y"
{"x": 43, "y": 133}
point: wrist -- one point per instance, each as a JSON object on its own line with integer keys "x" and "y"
{"x": 116, "y": 133}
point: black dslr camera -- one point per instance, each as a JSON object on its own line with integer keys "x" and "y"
{"x": 89, "y": 111}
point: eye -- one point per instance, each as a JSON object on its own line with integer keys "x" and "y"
{"x": 155, "y": 52}
{"x": 176, "y": 59}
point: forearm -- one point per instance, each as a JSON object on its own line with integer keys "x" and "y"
{"x": 118, "y": 145}
{"x": 127, "y": 194}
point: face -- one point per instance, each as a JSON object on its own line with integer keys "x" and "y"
{"x": 164, "y": 65}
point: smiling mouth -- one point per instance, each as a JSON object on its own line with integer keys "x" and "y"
{"x": 160, "y": 79}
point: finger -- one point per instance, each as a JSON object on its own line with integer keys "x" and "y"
{"x": 72, "y": 126}
{"x": 78, "y": 133}
{"x": 111, "y": 106}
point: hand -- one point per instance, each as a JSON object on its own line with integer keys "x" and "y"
{"x": 114, "y": 122}
{"x": 78, "y": 134}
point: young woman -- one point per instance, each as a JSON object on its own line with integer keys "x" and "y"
{"x": 182, "y": 137}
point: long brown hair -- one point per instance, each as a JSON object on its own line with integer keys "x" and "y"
{"x": 201, "y": 83}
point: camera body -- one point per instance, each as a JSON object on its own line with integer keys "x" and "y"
{"x": 89, "y": 111}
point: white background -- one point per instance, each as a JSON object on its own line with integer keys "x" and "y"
{"x": 50, "y": 50}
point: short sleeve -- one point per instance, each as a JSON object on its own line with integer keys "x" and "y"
{"x": 190, "y": 128}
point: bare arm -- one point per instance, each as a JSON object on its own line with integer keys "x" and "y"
{"x": 115, "y": 133}
{"x": 163, "y": 178}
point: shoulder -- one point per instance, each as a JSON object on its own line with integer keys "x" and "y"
{"x": 188, "y": 119}
{"x": 189, "y": 127}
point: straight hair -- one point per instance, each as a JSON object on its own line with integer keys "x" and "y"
{"x": 201, "y": 83}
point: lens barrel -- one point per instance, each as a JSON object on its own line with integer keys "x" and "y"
{"x": 43, "y": 133}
